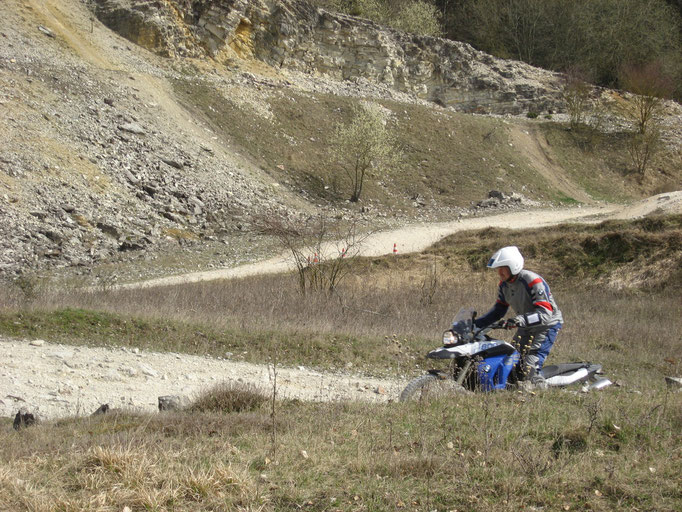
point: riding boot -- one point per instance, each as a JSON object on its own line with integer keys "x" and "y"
{"x": 532, "y": 379}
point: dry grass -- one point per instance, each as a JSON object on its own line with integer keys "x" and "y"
{"x": 229, "y": 397}
{"x": 618, "y": 449}
{"x": 136, "y": 469}
{"x": 390, "y": 310}
{"x": 503, "y": 451}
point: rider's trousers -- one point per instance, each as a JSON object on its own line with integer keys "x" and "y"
{"x": 534, "y": 346}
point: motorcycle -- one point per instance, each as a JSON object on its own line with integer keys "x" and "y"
{"x": 482, "y": 363}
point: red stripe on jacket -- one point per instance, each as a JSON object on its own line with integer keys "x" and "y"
{"x": 534, "y": 282}
{"x": 545, "y": 305}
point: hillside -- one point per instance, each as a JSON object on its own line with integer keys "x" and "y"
{"x": 153, "y": 142}
{"x": 159, "y": 132}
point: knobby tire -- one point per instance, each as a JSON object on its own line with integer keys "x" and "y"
{"x": 422, "y": 385}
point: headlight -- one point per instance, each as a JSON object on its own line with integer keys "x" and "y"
{"x": 450, "y": 338}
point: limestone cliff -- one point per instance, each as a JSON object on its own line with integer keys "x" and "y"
{"x": 293, "y": 34}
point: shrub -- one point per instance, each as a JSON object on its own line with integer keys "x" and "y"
{"x": 418, "y": 18}
{"x": 414, "y": 16}
{"x": 576, "y": 93}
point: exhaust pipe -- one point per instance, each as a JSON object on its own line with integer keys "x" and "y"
{"x": 599, "y": 384}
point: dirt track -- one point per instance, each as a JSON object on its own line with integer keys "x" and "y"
{"x": 59, "y": 380}
{"x": 417, "y": 237}
{"x": 56, "y": 380}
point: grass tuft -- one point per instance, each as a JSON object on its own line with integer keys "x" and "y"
{"x": 571, "y": 442}
{"x": 230, "y": 397}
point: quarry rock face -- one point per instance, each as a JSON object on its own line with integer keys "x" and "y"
{"x": 97, "y": 167}
{"x": 292, "y": 34}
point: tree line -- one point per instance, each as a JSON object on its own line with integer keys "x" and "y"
{"x": 598, "y": 38}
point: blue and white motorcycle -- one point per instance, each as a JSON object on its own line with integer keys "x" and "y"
{"x": 482, "y": 363}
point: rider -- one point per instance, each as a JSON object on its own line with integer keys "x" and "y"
{"x": 537, "y": 319}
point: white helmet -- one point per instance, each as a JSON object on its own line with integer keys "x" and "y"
{"x": 507, "y": 257}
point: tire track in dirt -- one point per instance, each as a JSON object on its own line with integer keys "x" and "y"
{"x": 534, "y": 146}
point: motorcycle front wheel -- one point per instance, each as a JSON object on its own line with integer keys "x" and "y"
{"x": 429, "y": 387}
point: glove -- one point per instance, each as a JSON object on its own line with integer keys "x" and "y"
{"x": 509, "y": 323}
{"x": 513, "y": 323}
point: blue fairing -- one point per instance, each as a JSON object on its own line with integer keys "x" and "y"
{"x": 494, "y": 371}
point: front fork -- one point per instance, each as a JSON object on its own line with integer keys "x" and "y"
{"x": 457, "y": 373}
{"x": 463, "y": 372}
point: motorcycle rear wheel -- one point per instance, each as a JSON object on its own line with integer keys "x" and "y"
{"x": 430, "y": 386}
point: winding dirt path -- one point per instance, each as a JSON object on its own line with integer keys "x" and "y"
{"x": 417, "y": 237}
{"x": 408, "y": 239}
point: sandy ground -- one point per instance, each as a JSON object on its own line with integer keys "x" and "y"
{"x": 58, "y": 380}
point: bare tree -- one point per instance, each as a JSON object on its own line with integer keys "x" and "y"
{"x": 322, "y": 250}
{"x": 576, "y": 95}
{"x": 650, "y": 85}
{"x": 642, "y": 147}
{"x": 524, "y": 24}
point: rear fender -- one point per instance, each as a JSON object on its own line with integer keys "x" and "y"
{"x": 568, "y": 373}
{"x": 568, "y": 378}
{"x": 570, "y": 368}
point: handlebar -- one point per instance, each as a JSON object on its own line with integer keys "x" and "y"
{"x": 474, "y": 332}
{"x": 497, "y": 325}
{"x": 483, "y": 330}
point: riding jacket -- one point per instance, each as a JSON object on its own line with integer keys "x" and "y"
{"x": 529, "y": 296}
